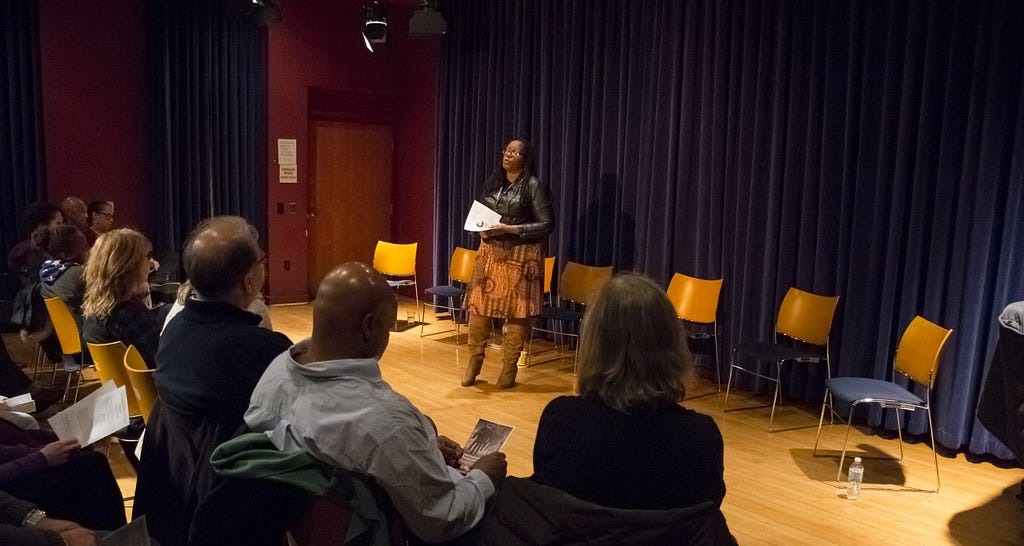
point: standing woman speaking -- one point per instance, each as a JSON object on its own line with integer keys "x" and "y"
{"x": 508, "y": 276}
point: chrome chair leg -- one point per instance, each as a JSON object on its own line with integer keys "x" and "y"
{"x": 846, "y": 441}
{"x": 775, "y": 398}
{"x": 935, "y": 454}
{"x": 821, "y": 421}
{"x": 728, "y": 383}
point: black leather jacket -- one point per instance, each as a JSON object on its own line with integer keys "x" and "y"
{"x": 526, "y": 204}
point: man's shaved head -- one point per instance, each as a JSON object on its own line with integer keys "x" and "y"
{"x": 353, "y": 313}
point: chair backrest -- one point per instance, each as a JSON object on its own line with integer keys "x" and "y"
{"x": 549, "y": 272}
{"x": 65, "y": 326}
{"x": 109, "y": 361}
{"x": 325, "y": 522}
{"x": 580, "y": 282}
{"x": 461, "y": 267}
{"x": 919, "y": 350}
{"x": 141, "y": 379}
{"x": 695, "y": 300}
{"x": 395, "y": 259}
{"x": 806, "y": 317}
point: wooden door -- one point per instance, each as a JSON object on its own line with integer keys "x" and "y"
{"x": 350, "y": 198}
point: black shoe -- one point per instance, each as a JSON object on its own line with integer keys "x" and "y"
{"x": 45, "y": 398}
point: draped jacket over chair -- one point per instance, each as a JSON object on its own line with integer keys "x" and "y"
{"x": 526, "y": 204}
{"x": 527, "y": 512}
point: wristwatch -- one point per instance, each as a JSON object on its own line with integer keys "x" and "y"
{"x": 33, "y": 518}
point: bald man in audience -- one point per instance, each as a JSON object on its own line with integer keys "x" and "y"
{"x": 211, "y": 356}
{"x": 325, "y": 396}
{"x": 75, "y": 213}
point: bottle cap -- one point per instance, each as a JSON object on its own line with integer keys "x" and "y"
{"x": 856, "y": 459}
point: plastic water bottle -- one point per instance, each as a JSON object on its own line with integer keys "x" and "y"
{"x": 855, "y": 476}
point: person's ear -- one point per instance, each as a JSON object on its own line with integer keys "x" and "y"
{"x": 249, "y": 283}
{"x": 370, "y": 325}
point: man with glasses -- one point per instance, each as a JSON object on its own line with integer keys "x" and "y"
{"x": 211, "y": 356}
{"x": 101, "y": 220}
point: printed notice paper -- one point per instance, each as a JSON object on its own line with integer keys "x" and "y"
{"x": 487, "y": 437}
{"x": 94, "y": 417}
{"x": 481, "y": 218}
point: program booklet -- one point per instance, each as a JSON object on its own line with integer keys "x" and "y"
{"x": 23, "y": 403}
{"x": 487, "y": 437}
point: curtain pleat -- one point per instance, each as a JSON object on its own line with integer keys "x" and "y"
{"x": 208, "y": 76}
{"x": 21, "y": 152}
{"x": 871, "y": 150}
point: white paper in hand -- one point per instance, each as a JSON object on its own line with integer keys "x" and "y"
{"x": 481, "y": 218}
{"x": 94, "y": 417}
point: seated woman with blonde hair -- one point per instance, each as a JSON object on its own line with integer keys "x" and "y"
{"x": 116, "y": 286}
{"x": 625, "y": 441}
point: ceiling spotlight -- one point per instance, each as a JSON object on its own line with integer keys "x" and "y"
{"x": 427, "y": 20}
{"x": 260, "y": 12}
{"x": 265, "y": 12}
{"x": 375, "y": 24}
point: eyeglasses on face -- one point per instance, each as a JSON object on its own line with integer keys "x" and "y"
{"x": 511, "y": 153}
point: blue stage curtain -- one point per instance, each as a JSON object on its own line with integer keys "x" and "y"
{"x": 873, "y": 150}
{"x": 208, "y": 77}
{"x": 21, "y": 160}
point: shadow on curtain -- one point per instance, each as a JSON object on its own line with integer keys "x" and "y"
{"x": 208, "y": 77}
{"x": 21, "y": 161}
{"x": 873, "y": 150}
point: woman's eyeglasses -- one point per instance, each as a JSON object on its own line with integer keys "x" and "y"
{"x": 511, "y": 153}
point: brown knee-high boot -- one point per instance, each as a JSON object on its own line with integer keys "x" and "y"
{"x": 479, "y": 328}
{"x": 515, "y": 334}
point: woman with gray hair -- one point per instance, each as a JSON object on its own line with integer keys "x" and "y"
{"x": 625, "y": 441}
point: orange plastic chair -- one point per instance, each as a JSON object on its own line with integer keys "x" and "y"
{"x": 576, "y": 286}
{"x": 141, "y": 379}
{"x": 549, "y": 273}
{"x": 70, "y": 342}
{"x": 696, "y": 301}
{"x": 397, "y": 262}
{"x": 109, "y": 361}
{"x": 803, "y": 316}
{"x": 917, "y": 358}
{"x": 460, "y": 271}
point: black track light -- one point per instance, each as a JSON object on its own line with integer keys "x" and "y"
{"x": 375, "y": 24}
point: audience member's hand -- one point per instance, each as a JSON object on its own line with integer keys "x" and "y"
{"x": 450, "y": 449}
{"x": 70, "y": 532}
{"x": 56, "y": 525}
{"x": 494, "y": 465}
{"x": 58, "y": 452}
{"x": 153, "y": 265}
{"x": 79, "y": 536}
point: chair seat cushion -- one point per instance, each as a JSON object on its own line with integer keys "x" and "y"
{"x": 775, "y": 352}
{"x": 561, "y": 313}
{"x": 851, "y": 389}
{"x": 446, "y": 291}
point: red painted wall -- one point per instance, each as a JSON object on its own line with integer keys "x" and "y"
{"x": 319, "y": 67}
{"x": 95, "y": 113}
{"x": 93, "y": 62}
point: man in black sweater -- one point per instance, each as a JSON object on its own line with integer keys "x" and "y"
{"x": 211, "y": 356}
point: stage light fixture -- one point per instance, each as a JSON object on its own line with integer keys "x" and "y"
{"x": 375, "y": 24}
{"x": 265, "y": 12}
{"x": 260, "y": 12}
{"x": 427, "y": 20}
